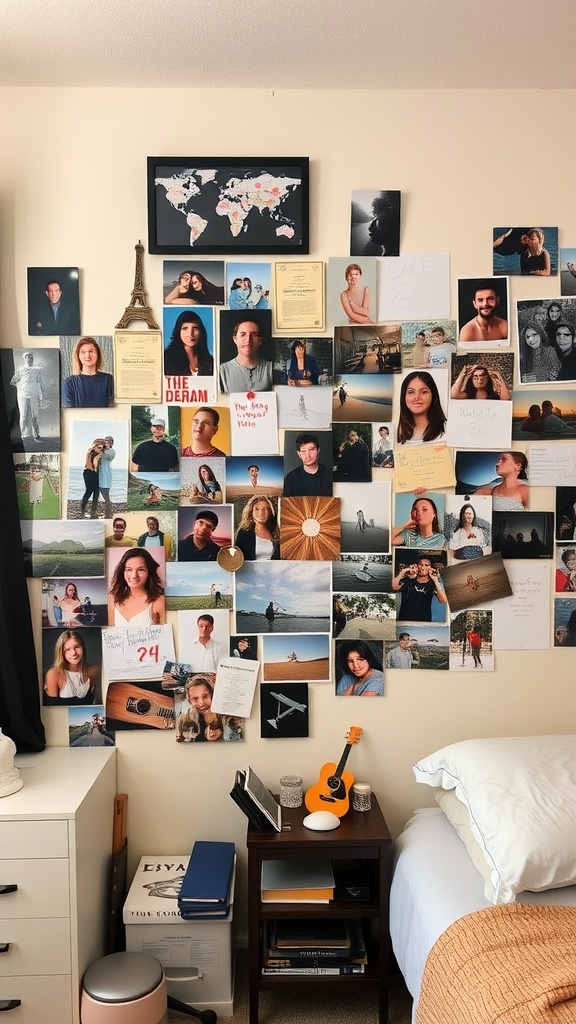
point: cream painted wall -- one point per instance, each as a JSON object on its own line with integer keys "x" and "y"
{"x": 73, "y": 192}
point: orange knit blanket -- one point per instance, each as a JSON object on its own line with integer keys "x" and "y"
{"x": 510, "y": 964}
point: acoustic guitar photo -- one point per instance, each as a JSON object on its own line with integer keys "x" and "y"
{"x": 137, "y": 707}
{"x": 331, "y": 792}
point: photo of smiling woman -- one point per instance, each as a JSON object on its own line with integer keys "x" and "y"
{"x": 88, "y": 387}
{"x": 422, "y": 418}
{"x": 136, "y": 592}
{"x": 188, "y": 354}
{"x": 359, "y": 669}
{"x": 71, "y": 679}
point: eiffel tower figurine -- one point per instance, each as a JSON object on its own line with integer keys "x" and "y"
{"x": 138, "y": 308}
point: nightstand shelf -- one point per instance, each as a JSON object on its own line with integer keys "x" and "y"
{"x": 361, "y": 836}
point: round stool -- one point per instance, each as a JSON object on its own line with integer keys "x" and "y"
{"x": 124, "y": 988}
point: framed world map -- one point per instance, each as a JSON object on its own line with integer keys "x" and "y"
{"x": 221, "y": 205}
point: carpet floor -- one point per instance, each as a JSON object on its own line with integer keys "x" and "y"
{"x": 320, "y": 1006}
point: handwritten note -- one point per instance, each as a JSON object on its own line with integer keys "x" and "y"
{"x": 234, "y": 687}
{"x": 254, "y": 423}
{"x": 479, "y": 424}
{"x": 426, "y": 466}
{"x": 414, "y": 286}
{"x": 135, "y": 653}
{"x": 522, "y": 621}
{"x": 552, "y": 465}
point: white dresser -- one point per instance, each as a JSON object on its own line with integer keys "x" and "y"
{"x": 55, "y": 848}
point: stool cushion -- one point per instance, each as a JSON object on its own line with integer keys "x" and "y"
{"x": 120, "y": 977}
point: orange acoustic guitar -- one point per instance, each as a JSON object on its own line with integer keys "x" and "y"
{"x": 128, "y": 703}
{"x": 331, "y": 791}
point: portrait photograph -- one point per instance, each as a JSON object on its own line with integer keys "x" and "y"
{"x": 419, "y": 520}
{"x": 189, "y": 355}
{"x": 193, "y": 282}
{"x": 471, "y": 640}
{"x": 471, "y": 584}
{"x": 146, "y": 530}
{"x": 419, "y": 647}
{"x": 364, "y": 398}
{"x": 195, "y": 720}
{"x": 59, "y": 547}
{"x": 359, "y": 668}
{"x": 565, "y": 562}
{"x": 97, "y": 469}
{"x": 53, "y": 301}
{"x": 564, "y": 622}
{"x": 483, "y": 312}
{"x": 284, "y": 710}
{"x": 488, "y": 376}
{"x": 306, "y": 659}
{"x": 523, "y": 534}
{"x": 248, "y": 285}
{"x": 214, "y": 205}
{"x": 71, "y": 603}
{"x": 302, "y": 362}
{"x": 359, "y": 614}
{"x": 375, "y": 222}
{"x": 136, "y": 587}
{"x": 303, "y": 604}
{"x": 503, "y": 476}
{"x": 31, "y": 382}
{"x": 568, "y": 271}
{"x": 530, "y": 252}
{"x": 546, "y": 339}
{"x": 308, "y": 463}
{"x": 428, "y": 343}
{"x": 204, "y": 636}
{"x": 418, "y": 583}
{"x": 87, "y": 371}
{"x": 468, "y": 526}
{"x": 197, "y": 585}
{"x": 220, "y": 536}
{"x": 566, "y": 513}
{"x": 259, "y": 350}
{"x": 352, "y": 452}
{"x": 352, "y": 297}
{"x": 310, "y": 528}
{"x": 202, "y": 481}
{"x": 421, "y": 407}
{"x": 544, "y": 414}
{"x": 257, "y": 533}
{"x": 244, "y": 646}
{"x": 38, "y": 485}
{"x": 365, "y": 517}
{"x": 71, "y": 666}
{"x": 205, "y": 431}
{"x": 372, "y": 349}
{"x": 365, "y": 574}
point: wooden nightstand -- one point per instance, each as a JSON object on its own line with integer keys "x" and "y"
{"x": 361, "y": 836}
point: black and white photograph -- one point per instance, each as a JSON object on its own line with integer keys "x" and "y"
{"x": 284, "y": 710}
{"x": 375, "y": 222}
{"x": 546, "y": 339}
{"x": 31, "y": 381}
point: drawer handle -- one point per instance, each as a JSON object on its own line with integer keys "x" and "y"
{"x": 9, "y": 1004}
{"x": 4, "y": 947}
{"x": 7, "y": 888}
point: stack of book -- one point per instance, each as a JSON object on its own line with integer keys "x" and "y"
{"x": 296, "y": 881}
{"x": 314, "y": 947}
{"x": 207, "y": 889}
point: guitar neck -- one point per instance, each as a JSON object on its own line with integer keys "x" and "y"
{"x": 342, "y": 762}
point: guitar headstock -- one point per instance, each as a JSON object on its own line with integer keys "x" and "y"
{"x": 354, "y": 734}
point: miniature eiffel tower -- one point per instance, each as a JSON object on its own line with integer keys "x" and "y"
{"x": 139, "y": 308}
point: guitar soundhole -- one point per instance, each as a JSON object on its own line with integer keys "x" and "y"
{"x": 139, "y": 707}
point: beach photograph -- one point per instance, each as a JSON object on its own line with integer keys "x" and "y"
{"x": 365, "y": 517}
{"x": 365, "y": 399}
{"x": 87, "y": 449}
{"x": 474, "y": 582}
{"x": 367, "y": 616}
{"x": 304, "y": 659}
{"x": 283, "y": 597}
{"x": 363, "y": 573}
{"x": 567, "y": 275}
{"x": 544, "y": 414}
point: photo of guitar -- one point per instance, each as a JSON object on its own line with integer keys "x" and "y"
{"x": 138, "y": 707}
{"x": 331, "y": 791}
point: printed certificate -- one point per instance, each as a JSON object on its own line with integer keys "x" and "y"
{"x": 299, "y": 296}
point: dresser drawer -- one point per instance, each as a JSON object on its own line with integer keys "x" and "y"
{"x": 43, "y": 888}
{"x": 36, "y": 947}
{"x": 45, "y": 1000}
{"x": 35, "y": 839}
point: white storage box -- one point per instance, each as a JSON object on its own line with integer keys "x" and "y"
{"x": 197, "y": 956}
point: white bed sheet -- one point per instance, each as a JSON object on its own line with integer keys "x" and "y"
{"x": 433, "y": 884}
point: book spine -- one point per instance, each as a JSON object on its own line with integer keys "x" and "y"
{"x": 342, "y": 969}
{"x": 315, "y": 958}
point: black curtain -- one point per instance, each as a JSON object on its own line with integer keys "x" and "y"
{"x": 19, "y": 693}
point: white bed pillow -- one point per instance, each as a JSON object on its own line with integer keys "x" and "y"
{"x": 459, "y": 817}
{"x": 520, "y": 793}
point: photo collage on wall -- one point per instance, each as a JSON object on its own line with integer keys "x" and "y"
{"x": 317, "y": 508}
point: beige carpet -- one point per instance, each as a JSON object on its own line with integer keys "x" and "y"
{"x": 320, "y": 1006}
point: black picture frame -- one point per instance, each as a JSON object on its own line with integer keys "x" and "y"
{"x": 169, "y": 231}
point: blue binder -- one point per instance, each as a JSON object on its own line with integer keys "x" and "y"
{"x": 208, "y": 875}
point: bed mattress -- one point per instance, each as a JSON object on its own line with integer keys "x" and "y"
{"x": 433, "y": 884}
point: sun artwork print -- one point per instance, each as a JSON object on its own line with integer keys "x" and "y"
{"x": 310, "y": 529}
